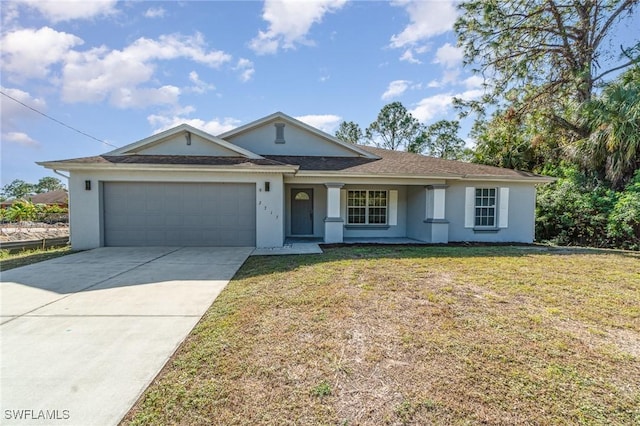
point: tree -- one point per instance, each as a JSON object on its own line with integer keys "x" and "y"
{"x": 18, "y": 189}
{"x": 394, "y": 128}
{"x": 349, "y": 132}
{"x": 613, "y": 120}
{"x": 47, "y": 184}
{"x": 541, "y": 55}
{"x": 440, "y": 139}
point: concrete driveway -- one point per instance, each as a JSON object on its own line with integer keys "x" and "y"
{"x": 83, "y": 335}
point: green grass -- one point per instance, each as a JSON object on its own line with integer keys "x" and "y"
{"x": 412, "y": 335}
{"x": 27, "y": 257}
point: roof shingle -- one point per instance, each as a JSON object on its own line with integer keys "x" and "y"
{"x": 396, "y": 163}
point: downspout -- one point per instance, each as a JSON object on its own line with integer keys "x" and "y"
{"x": 68, "y": 202}
{"x": 60, "y": 174}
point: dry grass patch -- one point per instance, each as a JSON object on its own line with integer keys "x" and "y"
{"x": 28, "y": 257}
{"x": 412, "y": 335}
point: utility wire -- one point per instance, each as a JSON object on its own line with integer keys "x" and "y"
{"x": 58, "y": 121}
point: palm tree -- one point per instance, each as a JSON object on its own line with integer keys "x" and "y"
{"x": 613, "y": 146}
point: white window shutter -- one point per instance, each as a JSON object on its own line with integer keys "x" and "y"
{"x": 393, "y": 207}
{"x": 469, "y": 207}
{"x": 343, "y": 204}
{"x": 503, "y": 210}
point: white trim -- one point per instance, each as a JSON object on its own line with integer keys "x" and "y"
{"x": 343, "y": 205}
{"x": 393, "y": 208}
{"x": 159, "y": 137}
{"x": 439, "y": 195}
{"x": 469, "y": 206}
{"x": 503, "y": 208}
{"x": 333, "y": 201}
{"x": 447, "y": 177}
{"x": 250, "y": 168}
{"x": 366, "y": 206}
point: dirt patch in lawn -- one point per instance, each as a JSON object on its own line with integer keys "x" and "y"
{"x": 412, "y": 335}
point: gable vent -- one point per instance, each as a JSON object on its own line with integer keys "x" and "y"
{"x": 279, "y": 132}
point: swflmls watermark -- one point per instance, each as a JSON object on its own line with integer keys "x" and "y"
{"x": 31, "y": 414}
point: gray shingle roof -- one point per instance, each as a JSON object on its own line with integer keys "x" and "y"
{"x": 397, "y": 163}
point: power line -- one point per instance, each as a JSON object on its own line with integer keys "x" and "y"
{"x": 58, "y": 121}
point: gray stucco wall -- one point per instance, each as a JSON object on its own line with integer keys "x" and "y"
{"x": 297, "y": 142}
{"x": 177, "y": 145}
{"x": 416, "y": 205}
{"x": 521, "y": 213}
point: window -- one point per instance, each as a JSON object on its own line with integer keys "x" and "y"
{"x": 279, "y": 133}
{"x": 485, "y": 207}
{"x": 367, "y": 207}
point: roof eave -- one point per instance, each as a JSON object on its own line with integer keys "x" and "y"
{"x": 449, "y": 176}
{"x": 67, "y": 166}
{"x": 536, "y": 179}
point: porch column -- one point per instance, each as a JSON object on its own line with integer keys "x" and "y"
{"x": 435, "y": 213}
{"x": 333, "y": 223}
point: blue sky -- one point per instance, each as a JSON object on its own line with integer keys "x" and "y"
{"x": 121, "y": 71}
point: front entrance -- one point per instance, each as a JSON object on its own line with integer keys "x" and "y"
{"x": 302, "y": 211}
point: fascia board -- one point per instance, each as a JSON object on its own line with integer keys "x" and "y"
{"x": 167, "y": 167}
{"x": 474, "y": 178}
{"x": 159, "y": 137}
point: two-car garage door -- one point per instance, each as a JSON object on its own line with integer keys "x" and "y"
{"x": 179, "y": 214}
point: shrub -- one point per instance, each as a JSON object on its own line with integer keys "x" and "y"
{"x": 22, "y": 211}
{"x": 624, "y": 221}
{"x": 575, "y": 211}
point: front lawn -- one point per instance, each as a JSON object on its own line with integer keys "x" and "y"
{"x": 412, "y": 335}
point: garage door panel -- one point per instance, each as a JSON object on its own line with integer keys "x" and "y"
{"x": 179, "y": 214}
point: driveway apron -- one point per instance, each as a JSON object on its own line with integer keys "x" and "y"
{"x": 83, "y": 335}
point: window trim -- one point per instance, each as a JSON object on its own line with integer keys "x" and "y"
{"x": 279, "y": 132}
{"x": 367, "y": 224}
{"x": 494, "y": 207}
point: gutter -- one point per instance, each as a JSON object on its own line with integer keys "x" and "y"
{"x": 166, "y": 167}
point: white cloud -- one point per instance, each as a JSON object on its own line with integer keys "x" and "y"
{"x": 427, "y": 19}
{"x": 432, "y": 106}
{"x": 214, "y": 126}
{"x": 99, "y": 73}
{"x": 10, "y": 13}
{"x": 29, "y": 53}
{"x": 135, "y": 97}
{"x": 408, "y": 57}
{"x": 58, "y": 11}
{"x": 155, "y": 12}
{"x": 408, "y": 54}
{"x": 473, "y": 82}
{"x": 20, "y": 138}
{"x": 439, "y": 104}
{"x": 13, "y": 111}
{"x": 289, "y": 22}
{"x": 449, "y": 56}
{"x": 395, "y": 89}
{"x": 246, "y": 69}
{"x": 199, "y": 86}
{"x": 13, "y": 115}
{"x": 325, "y": 122}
